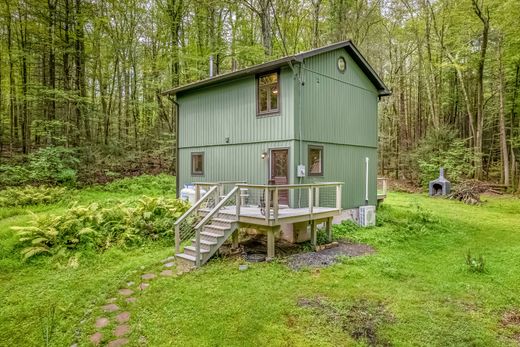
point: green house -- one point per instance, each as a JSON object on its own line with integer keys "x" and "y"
{"x": 306, "y": 118}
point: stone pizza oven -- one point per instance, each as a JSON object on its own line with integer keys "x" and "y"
{"x": 440, "y": 186}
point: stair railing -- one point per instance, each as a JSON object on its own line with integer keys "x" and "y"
{"x": 226, "y": 201}
{"x": 184, "y": 225}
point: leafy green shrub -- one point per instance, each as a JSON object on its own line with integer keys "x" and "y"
{"x": 442, "y": 148}
{"x": 52, "y": 165}
{"x": 13, "y": 175}
{"x": 475, "y": 264}
{"x": 96, "y": 227}
{"x": 344, "y": 229}
{"x": 142, "y": 184}
{"x": 32, "y": 195}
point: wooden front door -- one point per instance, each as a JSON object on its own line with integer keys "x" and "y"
{"x": 279, "y": 172}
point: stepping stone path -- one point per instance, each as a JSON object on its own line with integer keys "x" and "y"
{"x": 101, "y": 322}
{"x": 167, "y": 273}
{"x": 122, "y": 329}
{"x": 148, "y": 276}
{"x": 96, "y": 338}
{"x": 126, "y": 292}
{"x": 123, "y": 317}
{"x": 110, "y": 308}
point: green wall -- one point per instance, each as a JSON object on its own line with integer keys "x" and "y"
{"x": 209, "y": 115}
{"x": 338, "y": 111}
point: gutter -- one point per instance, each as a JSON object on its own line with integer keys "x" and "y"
{"x": 177, "y": 110}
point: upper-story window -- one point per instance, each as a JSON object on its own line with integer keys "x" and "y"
{"x": 268, "y": 93}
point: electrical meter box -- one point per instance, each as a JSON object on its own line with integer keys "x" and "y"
{"x": 301, "y": 171}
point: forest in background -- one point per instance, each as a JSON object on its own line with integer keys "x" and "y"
{"x": 81, "y": 80}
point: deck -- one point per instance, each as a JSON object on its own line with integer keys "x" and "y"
{"x": 254, "y": 215}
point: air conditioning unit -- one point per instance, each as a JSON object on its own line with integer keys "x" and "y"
{"x": 367, "y": 216}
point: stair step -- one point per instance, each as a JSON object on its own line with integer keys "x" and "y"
{"x": 204, "y": 242}
{"x": 187, "y": 257}
{"x": 222, "y": 222}
{"x": 216, "y": 227}
{"x": 209, "y": 236}
{"x": 191, "y": 250}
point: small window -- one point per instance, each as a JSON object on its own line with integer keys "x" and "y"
{"x": 197, "y": 164}
{"x": 268, "y": 93}
{"x": 315, "y": 161}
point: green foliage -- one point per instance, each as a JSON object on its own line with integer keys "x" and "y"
{"x": 475, "y": 264}
{"x": 442, "y": 148}
{"x": 96, "y": 227}
{"x": 51, "y": 165}
{"x": 344, "y": 229}
{"x": 141, "y": 184}
{"x": 32, "y": 195}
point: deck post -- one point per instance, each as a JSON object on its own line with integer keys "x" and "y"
{"x": 317, "y": 197}
{"x": 385, "y": 187}
{"x": 221, "y": 191}
{"x": 197, "y": 247}
{"x": 338, "y": 197}
{"x": 177, "y": 238}
{"x": 311, "y": 200}
{"x": 270, "y": 241}
{"x": 238, "y": 202}
{"x": 313, "y": 234}
{"x": 267, "y": 201}
{"x": 329, "y": 229}
{"x": 275, "y": 205}
{"x": 197, "y": 192}
{"x": 234, "y": 239}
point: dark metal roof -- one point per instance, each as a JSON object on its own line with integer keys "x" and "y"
{"x": 297, "y": 58}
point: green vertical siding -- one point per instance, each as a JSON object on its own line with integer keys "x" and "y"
{"x": 338, "y": 107}
{"x": 346, "y": 164}
{"x": 209, "y": 115}
{"x": 230, "y": 162}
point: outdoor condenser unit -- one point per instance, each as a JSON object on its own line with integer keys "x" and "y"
{"x": 367, "y": 216}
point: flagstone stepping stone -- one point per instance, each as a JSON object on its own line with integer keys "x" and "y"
{"x": 169, "y": 259}
{"x": 172, "y": 264}
{"x": 148, "y": 276}
{"x": 123, "y": 317}
{"x": 143, "y": 286}
{"x": 126, "y": 292}
{"x": 130, "y": 300}
{"x": 101, "y": 322}
{"x": 118, "y": 342}
{"x": 167, "y": 273}
{"x": 110, "y": 308}
{"x": 96, "y": 338}
{"x": 121, "y": 330}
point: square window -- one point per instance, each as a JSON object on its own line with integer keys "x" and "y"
{"x": 197, "y": 164}
{"x": 315, "y": 161}
{"x": 268, "y": 93}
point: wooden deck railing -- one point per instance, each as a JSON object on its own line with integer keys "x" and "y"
{"x": 382, "y": 187}
{"x": 184, "y": 224}
{"x": 269, "y": 198}
{"x": 223, "y": 187}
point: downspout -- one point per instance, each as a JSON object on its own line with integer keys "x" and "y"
{"x": 177, "y": 108}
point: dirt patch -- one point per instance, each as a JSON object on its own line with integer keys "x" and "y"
{"x": 511, "y": 318}
{"x": 361, "y": 319}
{"x": 257, "y": 244}
{"x": 328, "y": 256}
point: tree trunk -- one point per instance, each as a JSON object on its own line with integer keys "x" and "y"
{"x": 501, "y": 118}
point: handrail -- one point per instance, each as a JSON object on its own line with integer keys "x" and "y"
{"x": 195, "y": 206}
{"x": 206, "y": 219}
{"x": 290, "y": 186}
{"x": 218, "y": 182}
{"x": 191, "y": 210}
{"x": 216, "y": 208}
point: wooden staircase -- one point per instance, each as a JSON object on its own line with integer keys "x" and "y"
{"x": 210, "y": 232}
{"x": 212, "y": 237}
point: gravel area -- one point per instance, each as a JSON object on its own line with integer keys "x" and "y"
{"x": 328, "y": 256}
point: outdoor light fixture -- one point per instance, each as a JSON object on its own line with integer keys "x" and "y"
{"x": 264, "y": 155}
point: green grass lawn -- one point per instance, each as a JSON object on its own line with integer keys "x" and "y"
{"x": 415, "y": 290}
